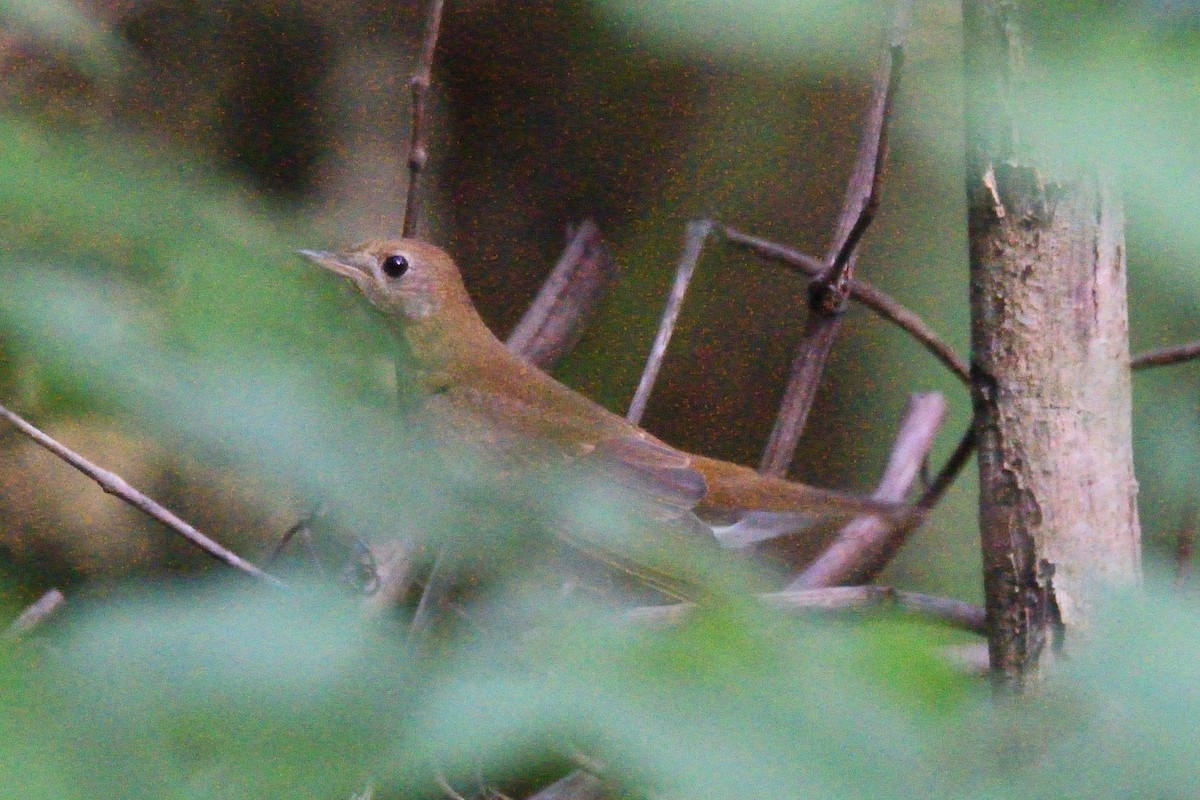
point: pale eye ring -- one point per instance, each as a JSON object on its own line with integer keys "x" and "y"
{"x": 394, "y": 266}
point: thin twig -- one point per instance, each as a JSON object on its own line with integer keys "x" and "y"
{"x": 35, "y": 614}
{"x": 808, "y": 365}
{"x": 1185, "y": 544}
{"x": 115, "y": 485}
{"x": 885, "y": 550}
{"x": 957, "y": 613}
{"x": 1166, "y": 356}
{"x": 861, "y": 291}
{"x": 576, "y": 786}
{"x": 857, "y": 542}
{"x": 693, "y": 245}
{"x": 554, "y": 322}
{"x": 303, "y": 529}
{"x": 828, "y": 294}
{"x": 449, "y": 791}
{"x": 949, "y": 471}
{"x": 867, "y": 182}
{"x": 418, "y": 145}
{"x": 437, "y": 588}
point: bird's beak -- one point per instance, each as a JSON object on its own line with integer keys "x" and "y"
{"x": 334, "y": 262}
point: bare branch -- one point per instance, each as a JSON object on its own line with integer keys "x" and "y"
{"x": 697, "y": 232}
{"x": 1166, "y": 356}
{"x": 418, "y": 145}
{"x": 555, "y": 320}
{"x": 35, "y": 614}
{"x": 828, "y": 294}
{"x": 949, "y": 471}
{"x": 576, "y": 786}
{"x": 885, "y": 550}
{"x": 860, "y": 291}
{"x": 857, "y": 544}
{"x": 957, "y": 613}
{"x": 438, "y": 586}
{"x": 808, "y": 366}
{"x": 115, "y": 485}
{"x": 1185, "y": 544}
{"x": 862, "y": 196}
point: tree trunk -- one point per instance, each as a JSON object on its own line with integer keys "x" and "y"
{"x": 1051, "y": 381}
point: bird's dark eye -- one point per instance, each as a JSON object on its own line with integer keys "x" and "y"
{"x": 395, "y": 266}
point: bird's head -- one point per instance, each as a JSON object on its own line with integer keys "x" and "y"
{"x": 412, "y": 282}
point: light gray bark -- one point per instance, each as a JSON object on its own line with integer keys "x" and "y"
{"x": 1050, "y": 361}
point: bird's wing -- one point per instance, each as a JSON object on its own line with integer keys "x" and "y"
{"x": 656, "y": 472}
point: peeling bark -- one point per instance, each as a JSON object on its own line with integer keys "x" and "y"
{"x": 1050, "y": 363}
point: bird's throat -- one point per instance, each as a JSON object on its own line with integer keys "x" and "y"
{"x": 432, "y": 357}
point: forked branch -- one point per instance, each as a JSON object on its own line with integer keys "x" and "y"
{"x": 828, "y": 294}
{"x": 865, "y": 293}
{"x": 856, "y": 548}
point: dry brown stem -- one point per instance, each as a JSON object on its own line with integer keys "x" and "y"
{"x": 828, "y": 294}
{"x": 115, "y": 485}
{"x": 697, "y": 232}
{"x": 1166, "y": 356}
{"x": 554, "y": 322}
{"x": 856, "y": 549}
{"x": 418, "y": 145}
{"x": 860, "y": 291}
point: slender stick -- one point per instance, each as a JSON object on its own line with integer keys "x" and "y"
{"x": 553, "y": 323}
{"x": 35, "y": 614}
{"x": 828, "y": 294}
{"x": 1185, "y": 544}
{"x": 115, "y": 485}
{"x": 950, "y": 470}
{"x": 437, "y": 588}
{"x": 856, "y": 543}
{"x": 958, "y": 613}
{"x": 418, "y": 146}
{"x": 873, "y": 152}
{"x": 860, "y": 291}
{"x": 1166, "y": 356}
{"x": 693, "y": 245}
{"x": 880, "y": 554}
{"x": 576, "y": 786}
{"x": 808, "y": 365}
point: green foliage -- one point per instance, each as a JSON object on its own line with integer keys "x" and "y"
{"x": 224, "y": 690}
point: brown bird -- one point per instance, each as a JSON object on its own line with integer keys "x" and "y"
{"x": 471, "y": 389}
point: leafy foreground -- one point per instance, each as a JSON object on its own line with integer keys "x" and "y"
{"x": 222, "y": 691}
